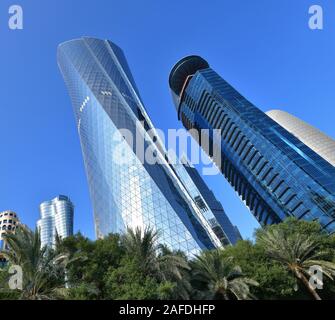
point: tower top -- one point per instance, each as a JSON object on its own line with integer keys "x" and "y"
{"x": 186, "y": 67}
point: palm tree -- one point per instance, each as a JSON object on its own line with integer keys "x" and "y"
{"x": 215, "y": 276}
{"x": 183, "y": 288}
{"x": 155, "y": 260}
{"x": 42, "y": 268}
{"x": 297, "y": 253}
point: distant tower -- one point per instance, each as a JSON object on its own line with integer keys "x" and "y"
{"x": 8, "y": 224}
{"x": 312, "y": 137}
{"x": 56, "y": 218}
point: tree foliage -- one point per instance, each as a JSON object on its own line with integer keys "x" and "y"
{"x": 136, "y": 266}
{"x": 298, "y": 246}
{"x": 42, "y": 268}
{"x": 215, "y": 276}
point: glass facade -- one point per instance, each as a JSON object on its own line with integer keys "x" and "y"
{"x": 134, "y": 193}
{"x": 56, "y": 218}
{"x": 319, "y": 142}
{"x": 275, "y": 174}
{"x": 207, "y": 203}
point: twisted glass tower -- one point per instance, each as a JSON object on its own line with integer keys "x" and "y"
{"x": 274, "y": 173}
{"x": 56, "y": 218}
{"x": 132, "y": 193}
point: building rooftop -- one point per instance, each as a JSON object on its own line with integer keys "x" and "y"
{"x": 186, "y": 67}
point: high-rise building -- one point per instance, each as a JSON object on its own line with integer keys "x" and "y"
{"x": 9, "y": 221}
{"x": 207, "y": 203}
{"x": 275, "y": 174}
{"x": 136, "y": 192}
{"x": 312, "y": 137}
{"x": 56, "y": 219}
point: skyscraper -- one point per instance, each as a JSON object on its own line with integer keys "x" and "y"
{"x": 274, "y": 173}
{"x": 313, "y": 138}
{"x": 207, "y": 203}
{"x": 135, "y": 193}
{"x": 56, "y": 218}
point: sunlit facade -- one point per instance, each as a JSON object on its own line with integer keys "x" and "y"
{"x": 56, "y": 219}
{"x": 136, "y": 193}
{"x": 313, "y": 138}
{"x": 274, "y": 173}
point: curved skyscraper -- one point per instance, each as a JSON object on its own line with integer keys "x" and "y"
{"x": 313, "y": 138}
{"x": 275, "y": 174}
{"x": 132, "y": 193}
{"x": 56, "y": 218}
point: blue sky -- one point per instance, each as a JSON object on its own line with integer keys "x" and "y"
{"x": 264, "y": 48}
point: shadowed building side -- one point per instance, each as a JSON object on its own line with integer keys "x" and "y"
{"x": 208, "y": 204}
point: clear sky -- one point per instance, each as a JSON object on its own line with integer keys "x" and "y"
{"x": 264, "y": 48}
